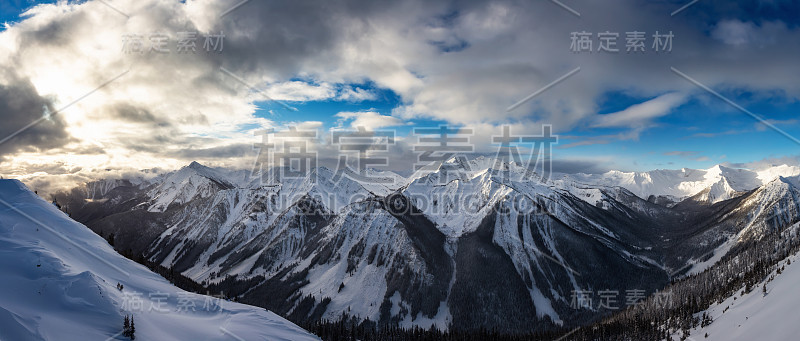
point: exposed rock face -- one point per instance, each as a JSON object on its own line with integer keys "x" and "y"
{"x": 480, "y": 250}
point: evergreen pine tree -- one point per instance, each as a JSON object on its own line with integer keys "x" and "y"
{"x": 126, "y": 327}
{"x": 133, "y": 329}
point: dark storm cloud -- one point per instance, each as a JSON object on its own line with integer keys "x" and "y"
{"x": 59, "y": 168}
{"x": 580, "y": 166}
{"x": 319, "y": 39}
{"x": 21, "y": 105}
{"x": 276, "y": 36}
{"x": 135, "y": 114}
{"x": 223, "y": 152}
{"x": 57, "y": 33}
{"x": 86, "y": 150}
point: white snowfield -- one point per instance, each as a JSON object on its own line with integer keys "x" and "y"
{"x": 755, "y": 316}
{"x": 59, "y": 282}
{"x": 717, "y": 183}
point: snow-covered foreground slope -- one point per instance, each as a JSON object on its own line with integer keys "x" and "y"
{"x": 755, "y": 316}
{"x": 59, "y": 283}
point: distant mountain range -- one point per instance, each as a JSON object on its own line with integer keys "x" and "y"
{"x": 468, "y": 245}
{"x": 711, "y": 185}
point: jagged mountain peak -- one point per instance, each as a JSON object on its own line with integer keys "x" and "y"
{"x": 195, "y": 168}
{"x": 183, "y": 185}
{"x": 718, "y": 191}
{"x": 781, "y": 183}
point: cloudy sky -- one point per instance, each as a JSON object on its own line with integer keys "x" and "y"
{"x": 93, "y": 89}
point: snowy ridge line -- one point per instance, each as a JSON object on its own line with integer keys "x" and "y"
{"x": 721, "y": 182}
{"x": 62, "y": 237}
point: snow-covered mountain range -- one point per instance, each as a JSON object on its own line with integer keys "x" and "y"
{"x": 707, "y": 185}
{"x": 60, "y": 282}
{"x": 471, "y": 244}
